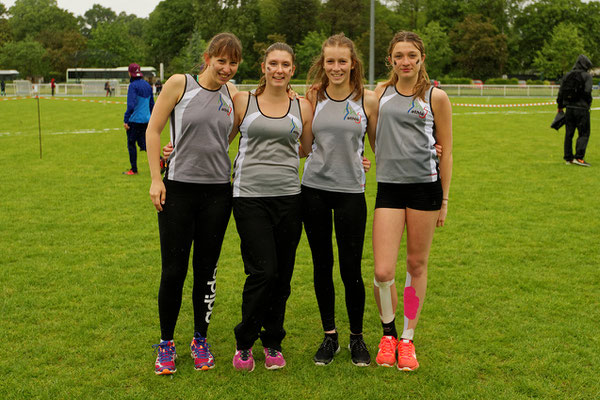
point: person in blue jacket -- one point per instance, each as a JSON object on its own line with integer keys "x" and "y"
{"x": 140, "y": 103}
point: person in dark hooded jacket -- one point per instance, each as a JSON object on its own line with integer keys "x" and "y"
{"x": 578, "y": 103}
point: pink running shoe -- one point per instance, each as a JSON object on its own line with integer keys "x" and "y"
{"x": 203, "y": 358}
{"x": 165, "y": 361}
{"x": 386, "y": 356}
{"x": 243, "y": 360}
{"x": 273, "y": 359}
{"x": 407, "y": 358}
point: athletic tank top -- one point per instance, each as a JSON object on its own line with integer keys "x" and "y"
{"x": 200, "y": 125}
{"x": 404, "y": 145}
{"x": 335, "y": 163}
{"x": 267, "y": 161}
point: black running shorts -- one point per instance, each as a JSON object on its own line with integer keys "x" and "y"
{"x": 417, "y": 196}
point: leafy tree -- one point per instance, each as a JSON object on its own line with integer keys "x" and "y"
{"x": 191, "y": 56}
{"x": 61, "y": 48}
{"x": 30, "y": 17}
{"x": 110, "y": 45}
{"x": 437, "y": 49}
{"x": 298, "y": 17}
{"x": 383, "y": 35}
{"x": 348, "y": 16}
{"x": 168, "y": 29}
{"x": 95, "y": 16}
{"x": 413, "y": 13}
{"x": 534, "y": 24}
{"x": 479, "y": 49}
{"x": 268, "y": 17}
{"x": 26, "y": 56}
{"x": 307, "y": 51}
{"x": 5, "y": 34}
{"x": 559, "y": 54}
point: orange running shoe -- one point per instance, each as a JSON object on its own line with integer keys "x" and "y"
{"x": 407, "y": 358}
{"x": 386, "y": 356}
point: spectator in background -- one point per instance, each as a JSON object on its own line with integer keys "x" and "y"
{"x": 107, "y": 88}
{"x": 2, "y": 88}
{"x": 140, "y": 103}
{"x": 158, "y": 86}
{"x": 575, "y": 94}
{"x": 52, "y": 86}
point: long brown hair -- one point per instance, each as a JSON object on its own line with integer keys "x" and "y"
{"x": 275, "y": 46}
{"x": 423, "y": 79}
{"x": 226, "y": 44}
{"x": 318, "y": 78}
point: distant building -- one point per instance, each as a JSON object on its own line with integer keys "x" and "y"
{"x": 9, "y": 74}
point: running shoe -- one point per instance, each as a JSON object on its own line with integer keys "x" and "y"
{"x": 328, "y": 348}
{"x": 273, "y": 358}
{"x": 358, "y": 351}
{"x": 386, "y": 356}
{"x": 569, "y": 162}
{"x": 407, "y": 358}
{"x": 203, "y": 358}
{"x": 130, "y": 172}
{"x": 243, "y": 360}
{"x": 580, "y": 161}
{"x": 165, "y": 360}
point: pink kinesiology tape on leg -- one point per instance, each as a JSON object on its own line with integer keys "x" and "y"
{"x": 411, "y": 302}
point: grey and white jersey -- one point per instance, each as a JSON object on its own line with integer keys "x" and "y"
{"x": 335, "y": 163}
{"x": 200, "y": 125}
{"x": 404, "y": 145}
{"x": 267, "y": 162}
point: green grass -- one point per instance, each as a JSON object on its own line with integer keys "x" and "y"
{"x": 511, "y": 311}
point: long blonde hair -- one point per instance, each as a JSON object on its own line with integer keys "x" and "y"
{"x": 275, "y": 46}
{"x": 423, "y": 79}
{"x": 224, "y": 43}
{"x": 318, "y": 78}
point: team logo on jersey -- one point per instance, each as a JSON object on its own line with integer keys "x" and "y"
{"x": 417, "y": 109}
{"x": 224, "y": 106}
{"x": 352, "y": 115}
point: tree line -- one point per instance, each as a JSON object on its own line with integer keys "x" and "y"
{"x": 480, "y": 39}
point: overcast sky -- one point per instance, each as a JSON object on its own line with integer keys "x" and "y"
{"x": 141, "y": 8}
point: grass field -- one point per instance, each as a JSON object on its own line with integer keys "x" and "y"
{"x": 514, "y": 277}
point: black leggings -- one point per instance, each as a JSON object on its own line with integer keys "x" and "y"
{"x": 576, "y": 118}
{"x": 350, "y": 216}
{"x": 269, "y": 229}
{"x": 197, "y": 213}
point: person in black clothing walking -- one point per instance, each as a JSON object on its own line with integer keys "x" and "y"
{"x": 575, "y": 94}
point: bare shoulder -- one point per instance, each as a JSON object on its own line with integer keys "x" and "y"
{"x": 175, "y": 81}
{"x": 370, "y": 98}
{"x": 379, "y": 89}
{"x": 438, "y": 95}
{"x": 240, "y": 97}
{"x": 232, "y": 88}
{"x": 307, "y": 109}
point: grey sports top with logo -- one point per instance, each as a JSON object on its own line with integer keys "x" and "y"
{"x": 335, "y": 163}
{"x": 200, "y": 125}
{"x": 267, "y": 161}
{"x": 404, "y": 145}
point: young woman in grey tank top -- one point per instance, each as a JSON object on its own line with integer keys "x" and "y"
{"x": 413, "y": 189}
{"x": 266, "y": 203}
{"x": 333, "y": 186}
{"x": 194, "y": 200}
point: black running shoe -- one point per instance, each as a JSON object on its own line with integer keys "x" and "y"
{"x": 358, "y": 351}
{"x": 329, "y": 348}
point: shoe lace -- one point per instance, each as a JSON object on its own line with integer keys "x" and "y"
{"x": 328, "y": 344}
{"x": 387, "y": 345}
{"x": 405, "y": 350}
{"x": 245, "y": 354}
{"x": 272, "y": 352}
{"x": 200, "y": 348}
{"x": 165, "y": 351}
{"x": 357, "y": 345}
